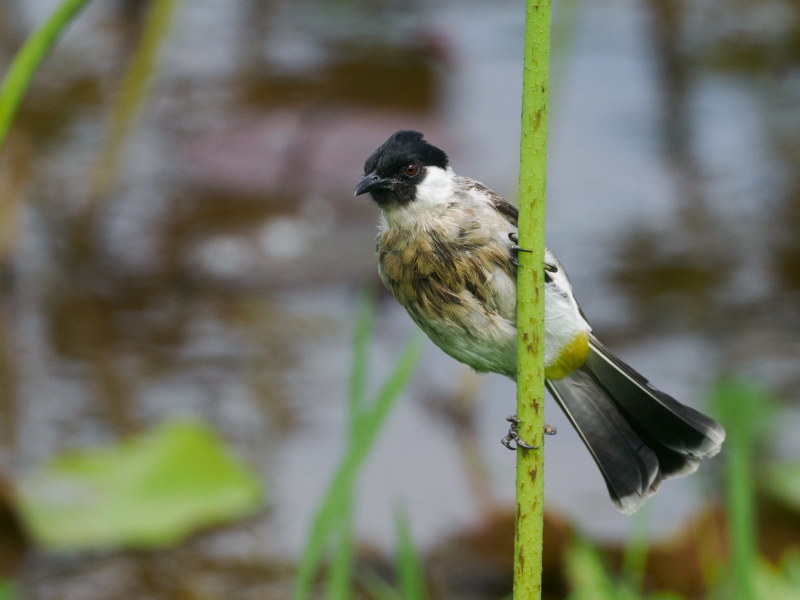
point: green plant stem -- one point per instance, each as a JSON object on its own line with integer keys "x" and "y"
{"x": 28, "y": 59}
{"x": 530, "y": 303}
{"x": 742, "y": 516}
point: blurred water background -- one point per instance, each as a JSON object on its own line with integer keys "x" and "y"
{"x": 206, "y": 262}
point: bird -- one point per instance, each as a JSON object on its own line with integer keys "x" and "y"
{"x": 448, "y": 251}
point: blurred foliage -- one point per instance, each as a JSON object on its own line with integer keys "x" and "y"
{"x": 782, "y": 482}
{"x": 8, "y": 591}
{"x": 746, "y": 412}
{"x": 33, "y": 52}
{"x": 590, "y": 580}
{"x": 149, "y": 491}
{"x": 333, "y": 520}
{"x": 410, "y": 574}
{"x": 132, "y": 95}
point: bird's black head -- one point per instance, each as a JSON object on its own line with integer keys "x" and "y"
{"x": 394, "y": 170}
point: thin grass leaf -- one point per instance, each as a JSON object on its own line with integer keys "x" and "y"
{"x": 374, "y": 416}
{"x": 335, "y": 501}
{"x": 339, "y": 585}
{"x": 365, "y": 316}
{"x": 590, "y": 580}
{"x": 745, "y": 410}
{"x": 339, "y": 578}
{"x": 409, "y": 566}
{"x": 28, "y": 59}
{"x": 587, "y": 574}
{"x": 634, "y": 559}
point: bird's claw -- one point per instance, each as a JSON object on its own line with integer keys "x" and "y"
{"x": 513, "y": 436}
{"x": 515, "y": 248}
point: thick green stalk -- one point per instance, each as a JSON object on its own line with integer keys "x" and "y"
{"x": 28, "y": 59}
{"x": 530, "y": 303}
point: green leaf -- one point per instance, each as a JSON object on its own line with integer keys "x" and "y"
{"x": 150, "y": 490}
{"x": 409, "y": 566}
{"x": 33, "y": 52}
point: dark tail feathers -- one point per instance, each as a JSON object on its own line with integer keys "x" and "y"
{"x": 637, "y": 434}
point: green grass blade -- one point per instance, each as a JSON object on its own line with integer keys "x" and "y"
{"x": 339, "y": 579}
{"x": 634, "y": 559}
{"x": 365, "y": 316}
{"x": 375, "y": 415}
{"x": 745, "y": 411}
{"x": 28, "y": 59}
{"x": 587, "y": 575}
{"x": 409, "y": 567}
{"x": 335, "y": 501}
{"x": 741, "y": 515}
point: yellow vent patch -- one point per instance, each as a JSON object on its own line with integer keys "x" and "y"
{"x": 571, "y": 357}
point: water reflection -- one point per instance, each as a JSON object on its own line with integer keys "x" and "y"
{"x": 217, "y": 277}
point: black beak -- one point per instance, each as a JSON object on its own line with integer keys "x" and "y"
{"x": 372, "y": 182}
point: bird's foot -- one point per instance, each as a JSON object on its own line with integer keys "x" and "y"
{"x": 513, "y": 436}
{"x": 515, "y": 250}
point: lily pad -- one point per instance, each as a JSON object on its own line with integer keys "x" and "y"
{"x": 150, "y": 490}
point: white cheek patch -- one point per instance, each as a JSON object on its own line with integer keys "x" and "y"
{"x": 433, "y": 194}
{"x": 436, "y": 189}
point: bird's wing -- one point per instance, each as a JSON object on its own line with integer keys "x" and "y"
{"x": 500, "y": 204}
{"x": 511, "y": 214}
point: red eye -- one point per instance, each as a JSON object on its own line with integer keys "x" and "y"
{"x": 411, "y": 170}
